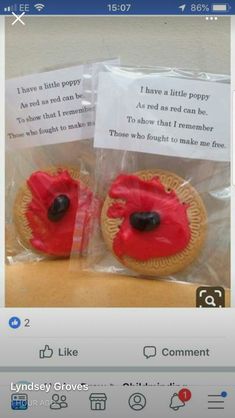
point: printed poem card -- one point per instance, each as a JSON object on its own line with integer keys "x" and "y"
{"x": 52, "y": 107}
{"x": 163, "y": 115}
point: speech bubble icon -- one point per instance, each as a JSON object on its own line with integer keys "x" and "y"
{"x": 150, "y": 351}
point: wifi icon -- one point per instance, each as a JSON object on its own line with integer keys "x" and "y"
{"x": 39, "y": 6}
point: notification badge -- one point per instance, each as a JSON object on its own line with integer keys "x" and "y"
{"x": 179, "y": 400}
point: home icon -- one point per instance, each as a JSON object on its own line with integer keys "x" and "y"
{"x": 98, "y": 401}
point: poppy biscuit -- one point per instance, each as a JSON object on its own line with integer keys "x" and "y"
{"x": 154, "y": 222}
{"x": 46, "y": 206}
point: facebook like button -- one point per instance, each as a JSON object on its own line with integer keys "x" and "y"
{"x": 14, "y": 322}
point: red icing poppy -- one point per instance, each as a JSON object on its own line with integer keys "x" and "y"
{"x": 55, "y": 237}
{"x": 169, "y": 236}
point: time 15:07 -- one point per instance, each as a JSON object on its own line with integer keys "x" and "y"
{"x": 118, "y": 7}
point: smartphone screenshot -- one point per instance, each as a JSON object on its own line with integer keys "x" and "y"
{"x": 117, "y": 209}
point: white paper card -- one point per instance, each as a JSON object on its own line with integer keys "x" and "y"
{"x": 163, "y": 115}
{"x": 50, "y": 107}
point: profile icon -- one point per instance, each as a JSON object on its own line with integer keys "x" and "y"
{"x": 137, "y": 401}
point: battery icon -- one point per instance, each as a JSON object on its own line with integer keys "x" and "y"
{"x": 220, "y": 7}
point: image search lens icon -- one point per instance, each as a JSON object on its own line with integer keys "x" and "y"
{"x": 210, "y": 297}
{"x": 14, "y": 322}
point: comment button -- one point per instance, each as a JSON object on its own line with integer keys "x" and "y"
{"x": 149, "y": 351}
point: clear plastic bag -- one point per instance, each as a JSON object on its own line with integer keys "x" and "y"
{"x": 163, "y": 216}
{"x": 48, "y": 187}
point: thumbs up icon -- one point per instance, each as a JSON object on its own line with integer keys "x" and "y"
{"x": 46, "y": 352}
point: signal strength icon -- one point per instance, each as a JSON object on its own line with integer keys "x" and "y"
{"x": 12, "y": 8}
{"x": 39, "y": 7}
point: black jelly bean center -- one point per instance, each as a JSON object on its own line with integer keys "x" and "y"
{"x": 58, "y": 208}
{"x": 145, "y": 221}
